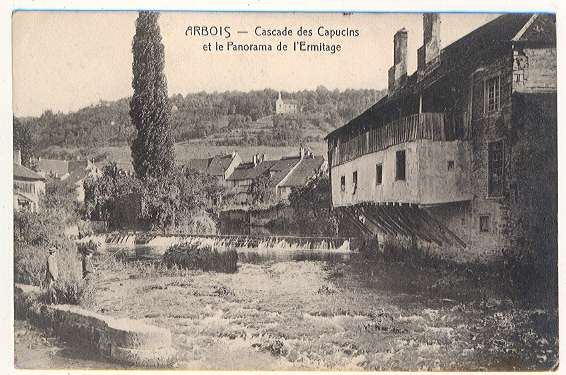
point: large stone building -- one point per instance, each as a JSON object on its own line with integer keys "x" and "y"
{"x": 462, "y": 153}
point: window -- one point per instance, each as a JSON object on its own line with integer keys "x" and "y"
{"x": 400, "y": 165}
{"x": 450, "y": 165}
{"x": 495, "y": 169}
{"x": 378, "y": 174}
{"x": 343, "y": 183}
{"x": 355, "y": 181}
{"x": 491, "y": 95}
{"x": 484, "y": 223}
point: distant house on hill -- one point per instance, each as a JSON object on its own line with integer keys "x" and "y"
{"x": 287, "y": 106}
{"x": 28, "y": 186}
{"x": 219, "y": 166}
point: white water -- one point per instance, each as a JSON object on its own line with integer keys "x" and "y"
{"x": 161, "y": 243}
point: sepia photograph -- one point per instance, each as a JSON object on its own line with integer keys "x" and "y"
{"x": 290, "y": 191}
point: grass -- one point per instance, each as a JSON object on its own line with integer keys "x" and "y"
{"x": 201, "y": 257}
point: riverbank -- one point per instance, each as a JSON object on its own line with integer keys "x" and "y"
{"x": 34, "y": 348}
{"x": 339, "y": 315}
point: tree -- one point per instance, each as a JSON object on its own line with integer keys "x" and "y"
{"x": 261, "y": 190}
{"x": 311, "y": 204}
{"x": 23, "y": 141}
{"x": 150, "y": 110}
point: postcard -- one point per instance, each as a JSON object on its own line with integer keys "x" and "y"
{"x": 337, "y": 191}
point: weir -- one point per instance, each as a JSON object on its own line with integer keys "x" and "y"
{"x": 239, "y": 242}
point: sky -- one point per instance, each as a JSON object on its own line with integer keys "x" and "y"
{"x": 63, "y": 61}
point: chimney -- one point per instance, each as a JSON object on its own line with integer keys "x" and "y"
{"x": 17, "y": 157}
{"x": 302, "y": 152}
{"x": 430, "y": 50}
{"x": 398, "y": 72}
{"x": 254, "y": 159}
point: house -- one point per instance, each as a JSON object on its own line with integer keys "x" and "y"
{"x": 28, "y": 186}
{"x": 283, "y": 174}
{"x": 77, "y": 178}
{"x": 53, "y": 168}
{"x": 219, "y": 166}
{"x": 61, "y": 169}
{"x": 288, "y": 106}
{"x": 308, "y": 167}
{"x": 461, "y": 153}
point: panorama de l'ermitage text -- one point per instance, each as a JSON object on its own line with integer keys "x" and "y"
{"x": 321, "y": 39}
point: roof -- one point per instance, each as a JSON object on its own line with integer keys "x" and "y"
{"x": 123, "y": 165}
{"x": 200, "y": 165}
{"x": 60, "y": 167}
{"x": 214, "y": 166}
{"x": 78, "y": 175}
{"x": 23, "y": 173}
{"x": 305, "y": 170}
{"x": 219, "y": 164}
{"x": 290, "y": 101}
{"x": 281, "y": 169}
{"x": 247, "y": 171}
{"x": 481, "y": 43}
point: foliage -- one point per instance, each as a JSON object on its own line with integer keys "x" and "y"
{"x": 36, "y": 232}
{"x": 311, "y": 204}
{"x": 102, "y": 193}
{"x": 60, "y": 201}
{"x": 197, "y": 115}
{"x": 204, "y": 258}
{"x": 165, "y": 203}
{"x": 150, "y": 110}
{"x": 23, "y": 141}
{"x": 261, "y": 190}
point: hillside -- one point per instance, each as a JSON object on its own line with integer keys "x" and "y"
{"x": 230, "y": 118}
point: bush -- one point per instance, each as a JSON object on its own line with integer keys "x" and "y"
{"x": 202, "y": 257}
{"x": 91, "y": 246}
{"x": 29, "y": 264}
{"x": 201, "y": 223}
{"x": 34, "y": 233}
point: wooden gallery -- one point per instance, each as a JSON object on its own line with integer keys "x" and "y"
{"x": 460, "y": 156}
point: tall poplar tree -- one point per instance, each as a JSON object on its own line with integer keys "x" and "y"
{"x": 150, "y": 111}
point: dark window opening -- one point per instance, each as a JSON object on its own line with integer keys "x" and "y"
{"x": 378, "y": 174}
{"x": 491, "y": 95}
{"x": 400, "y": 165}
{"x": 343, "y": 183}
{"x": 450, "y": 165}
{"x": 484, "y": 224}
{"x": 495, "y": 169}
{"x": 355, "y": 181}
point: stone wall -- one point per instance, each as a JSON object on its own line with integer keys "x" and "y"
{"x": 127, "y": 341}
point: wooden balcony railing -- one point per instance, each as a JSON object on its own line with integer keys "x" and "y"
{"x": 433, "y": 126}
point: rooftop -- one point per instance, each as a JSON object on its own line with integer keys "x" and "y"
{"x": 307, "y": 168}
{"x": 23, "y": 173}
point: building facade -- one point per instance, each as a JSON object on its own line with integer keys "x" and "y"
{"x": 455, "y": 152}
{"x": 29, "y": 186}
